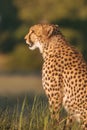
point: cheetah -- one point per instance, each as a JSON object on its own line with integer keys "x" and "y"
{"x": 64, "y": 72}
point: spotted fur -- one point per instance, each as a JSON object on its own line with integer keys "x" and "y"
{"x": 64, "y": 73}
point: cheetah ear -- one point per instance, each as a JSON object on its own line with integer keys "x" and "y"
{"x": 47, "y": 31}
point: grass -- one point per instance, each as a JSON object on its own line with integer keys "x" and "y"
{"x": 29, "y": 114}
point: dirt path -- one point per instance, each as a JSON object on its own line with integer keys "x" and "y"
{"x": 15, "y": 84}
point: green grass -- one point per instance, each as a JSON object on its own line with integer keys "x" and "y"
{"x": 29, "y": 115}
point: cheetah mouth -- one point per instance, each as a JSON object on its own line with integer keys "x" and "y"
{"x": 29, "y": 44}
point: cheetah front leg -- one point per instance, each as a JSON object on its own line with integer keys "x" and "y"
{"x": 54, "y": 94}
{"x": 84, "y": 120}
{"x": 55, "y": 105}
{"x": 52, "y": 85}
{"x": 68, "y": 123}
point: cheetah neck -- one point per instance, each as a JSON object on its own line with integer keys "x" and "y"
{"x": 51, "y": 46}
{"x": 48, "y": 51}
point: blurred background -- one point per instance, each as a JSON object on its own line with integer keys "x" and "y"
{"x": 20, "y": 68}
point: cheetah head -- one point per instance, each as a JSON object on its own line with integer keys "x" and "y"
{"x": 38, "y": 34}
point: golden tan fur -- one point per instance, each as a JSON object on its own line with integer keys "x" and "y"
{"x": 64, "y": 73}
